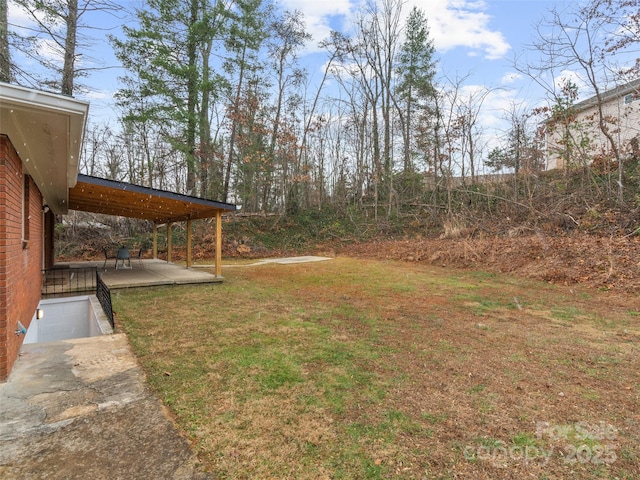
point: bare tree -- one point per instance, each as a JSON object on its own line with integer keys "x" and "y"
{"x": 369, "y": 60}
{"x": 519, "y": 150}
{"x": 622, "y": 21}
{"x": 246, "y": 35}
{"x": 467, "y": 112}
{"x": 593, "y": 40}
{"x": 383, "y": 34}
{"x": 289, "y": 36}
{"x": 57, "y": 39}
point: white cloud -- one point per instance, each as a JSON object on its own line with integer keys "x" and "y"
{"x": 18, "y": 19}
{"x": 321, "y": 16}
{"x": 462, "y": 23}
{"x": 510, "y": 78}
{"x": 49, "y": 50}
{"x": 99, "y": 95}
{"x": 319, "y": 8}
{"x": 453, "y": 23}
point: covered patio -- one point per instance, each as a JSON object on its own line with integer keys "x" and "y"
{"x": 163, "y": 208}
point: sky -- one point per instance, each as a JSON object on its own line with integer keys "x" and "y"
{"x": 475, "y": 40}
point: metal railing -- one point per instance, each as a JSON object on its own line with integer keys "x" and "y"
{"x": 104, "y": 297}
{"x": 66, "y": 282}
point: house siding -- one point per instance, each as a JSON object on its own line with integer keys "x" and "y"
{"x": 20, "y": 263}
{"x": 623, "y": 121}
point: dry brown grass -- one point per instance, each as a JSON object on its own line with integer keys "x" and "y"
{"x": 373, "y": 369}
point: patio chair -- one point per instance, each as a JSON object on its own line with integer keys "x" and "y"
{"x": 124, "y": 257}
{"x": 107, "y": 257}
{"x": 139, "y": 255}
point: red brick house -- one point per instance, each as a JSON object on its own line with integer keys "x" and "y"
{"x": 40, "y": 140}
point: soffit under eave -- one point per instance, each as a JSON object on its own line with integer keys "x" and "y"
{"x": 47, "y": 132}
{"x": 126, "y": 200}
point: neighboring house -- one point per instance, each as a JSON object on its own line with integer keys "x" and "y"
{"x": 41, "y": 138}
{"x": 579, "y": 140}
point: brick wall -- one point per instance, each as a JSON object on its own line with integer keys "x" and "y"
{"x": 20, "y": 263}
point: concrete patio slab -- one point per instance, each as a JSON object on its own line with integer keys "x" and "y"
{"x": 279, "y": 261}
{"x": 290, "y": 260}
{"x": 146, "y": 273}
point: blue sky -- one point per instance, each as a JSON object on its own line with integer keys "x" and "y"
{"x": 475, "y": 39}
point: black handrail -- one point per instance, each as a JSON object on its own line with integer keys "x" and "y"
{"x": 104, "y": 297}
{"x": 65, "y": 282}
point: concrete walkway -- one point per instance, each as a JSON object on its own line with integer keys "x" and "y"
{"x": 291, "y": 260}
{"x": 279, "y": 261}
{"x": 80, "y": 409}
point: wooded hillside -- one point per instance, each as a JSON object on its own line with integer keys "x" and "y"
{"x": 565, "y": 228}
{"x": 216, "y": 100}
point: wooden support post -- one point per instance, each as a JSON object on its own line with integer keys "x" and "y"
{"x": 155, "y": 241}
{"x": 189, "y": 243}
{"x": 169, "y": 241}
{"x": 219, "y": 243}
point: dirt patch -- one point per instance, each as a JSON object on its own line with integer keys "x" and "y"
{"x": 597, "y": 262}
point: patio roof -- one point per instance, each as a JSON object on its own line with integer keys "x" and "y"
{"x": 110, "y": 197}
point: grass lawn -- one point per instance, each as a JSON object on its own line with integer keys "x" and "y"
{"x": 363, "y": 369}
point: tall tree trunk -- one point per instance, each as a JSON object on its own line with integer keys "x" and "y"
{"x": 274, "y": 139}
{"x": 376, "y": 155}
{"x": 5, "y": 57}
{"x": 234, "y": 126}
{"x": 406, "y": 129}
{"x": 192, "y": 100}
{"x": 206, "y": 153}
{"x": 68, "y": 70}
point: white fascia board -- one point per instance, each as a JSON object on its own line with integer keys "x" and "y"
{"x": 47, "y": 131}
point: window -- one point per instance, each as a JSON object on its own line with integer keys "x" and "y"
{"x": 631, "y": 97}
{"x": 25, "y": 210}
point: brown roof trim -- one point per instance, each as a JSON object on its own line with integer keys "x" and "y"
{"x": 110, "y": 197}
